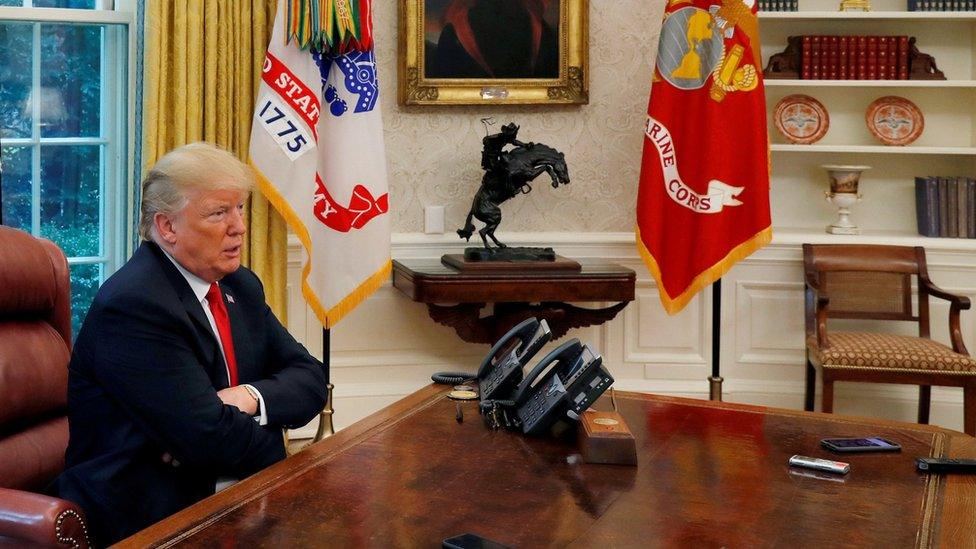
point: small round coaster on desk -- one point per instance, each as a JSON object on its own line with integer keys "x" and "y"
{"x": 462, "y": 395}
{"x": 801, "y": 119}
{"x": 894, "y": 120}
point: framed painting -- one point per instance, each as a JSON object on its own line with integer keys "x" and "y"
{"x": 481, "y": 52}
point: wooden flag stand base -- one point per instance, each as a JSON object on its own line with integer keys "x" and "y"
{"x": 605, "y": 438}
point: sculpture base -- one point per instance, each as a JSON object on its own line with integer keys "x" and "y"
{"x": 509, "y": 254}
{"x": 500, "y": 262}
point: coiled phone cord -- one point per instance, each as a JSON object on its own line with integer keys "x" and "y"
{"x": 452, "y": 378}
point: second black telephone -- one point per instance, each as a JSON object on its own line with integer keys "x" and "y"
{"x": 562, "y": 385}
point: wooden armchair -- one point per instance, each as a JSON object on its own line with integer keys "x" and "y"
{"x": 875, "y": 282}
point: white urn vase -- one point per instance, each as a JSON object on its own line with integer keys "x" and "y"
{"x": 843, "y": 194}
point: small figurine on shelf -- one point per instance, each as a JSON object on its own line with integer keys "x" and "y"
{"x": 786, "y": 64}
{"x": 855, "y": 5}
{"x": 922, "y": 65}
{"x": 507, "y": 174}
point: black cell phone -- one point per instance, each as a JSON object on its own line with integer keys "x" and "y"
{"x": 852, "y": 445}
{"x": 471, "y": 541}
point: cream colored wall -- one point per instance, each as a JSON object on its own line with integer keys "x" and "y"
{"x": 434, "y": 152}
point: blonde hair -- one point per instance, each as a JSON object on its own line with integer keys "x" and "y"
{"x": 197, "y": 166}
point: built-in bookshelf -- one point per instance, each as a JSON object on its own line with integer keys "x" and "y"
{"x": 947, "y": 147}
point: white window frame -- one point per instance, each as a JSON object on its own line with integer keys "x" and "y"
{"x": 115, "y": 190}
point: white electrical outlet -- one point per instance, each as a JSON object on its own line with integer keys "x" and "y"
{"x": 434, "y": 219}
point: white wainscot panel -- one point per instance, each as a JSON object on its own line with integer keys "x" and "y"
{"x": 669, "y": 347}
{"x": 769, "y": 323}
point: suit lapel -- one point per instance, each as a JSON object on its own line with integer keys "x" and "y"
{"x": 212, "y": 360}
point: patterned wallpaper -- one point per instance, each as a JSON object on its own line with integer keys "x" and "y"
{"x": 434, "y": 152}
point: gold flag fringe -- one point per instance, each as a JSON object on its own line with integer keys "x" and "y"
{"x": 674, "y": 305}
{"x": 328, "y": 317}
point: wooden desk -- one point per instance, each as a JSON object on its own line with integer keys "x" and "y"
{"x": 516, "y": 295}
{"x": 709, "y": 475}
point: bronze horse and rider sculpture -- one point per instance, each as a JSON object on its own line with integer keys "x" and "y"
{"x": 508, "y": 174}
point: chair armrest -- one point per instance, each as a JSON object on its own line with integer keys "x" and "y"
{"x": 819, "y": 303}
{"x": 960, "y": 301}
{"x": 957, "y": 303}
{"x": 41, "y": 519}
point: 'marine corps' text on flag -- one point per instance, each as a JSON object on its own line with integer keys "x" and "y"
{"x": 703, "y": 202}
{"x": 317, "y": 145}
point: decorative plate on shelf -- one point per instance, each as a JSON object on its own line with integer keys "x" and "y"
{"x": 894, "y": 120}
{"x": 801, "y": 119}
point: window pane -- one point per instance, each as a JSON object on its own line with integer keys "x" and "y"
{"x": 83, "y": 4}
{"x": 70, "y": 80}
{"x": 84, "y": 283}
{"x": 17, "y": 3}
{"x": 15, "y": 79}
{"x": 70, "y": 198}
{"x": 15, "y": 187}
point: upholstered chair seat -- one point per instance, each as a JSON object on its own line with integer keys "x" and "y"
{"x": 890, "y": 352}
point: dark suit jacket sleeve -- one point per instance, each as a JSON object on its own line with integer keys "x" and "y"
{"x": 294, "y": 389}
{"x": 147, "y": 365}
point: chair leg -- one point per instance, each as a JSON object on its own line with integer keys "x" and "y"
{"x": 924, "y": 399}
{"x": 827, "y": 396}
{"x": 811, "y": 387}
{"x": 969, "y": 409}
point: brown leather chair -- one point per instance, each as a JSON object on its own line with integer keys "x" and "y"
{"x": 35, "y": 345}
{"x": 875, "y": 282}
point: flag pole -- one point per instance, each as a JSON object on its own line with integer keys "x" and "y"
{"x": 715, "y": 381}
{"x": 326, "y": 428}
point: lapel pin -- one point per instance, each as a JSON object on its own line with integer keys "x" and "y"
{"x": 230, "y": 298}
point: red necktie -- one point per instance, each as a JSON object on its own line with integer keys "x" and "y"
{"x": 219, "y": 311}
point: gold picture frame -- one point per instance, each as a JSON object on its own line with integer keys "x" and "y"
{"x": 433, "y": 73}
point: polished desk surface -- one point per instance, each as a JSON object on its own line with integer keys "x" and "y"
{"x": 430, "y": 281}
{"x": 709, "y": 475}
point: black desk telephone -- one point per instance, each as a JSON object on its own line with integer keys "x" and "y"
{"x": 563, "y": 384}
{"x": 501, "y": 370}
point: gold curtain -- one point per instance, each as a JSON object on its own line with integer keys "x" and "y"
{"x": 203, "y": 61}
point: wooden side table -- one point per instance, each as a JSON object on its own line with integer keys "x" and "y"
{"x": 456, "y": 299}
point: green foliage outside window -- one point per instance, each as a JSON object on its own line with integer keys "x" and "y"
{"x": 60, "y": 158}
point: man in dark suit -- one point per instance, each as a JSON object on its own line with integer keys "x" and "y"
{"x": 181, "y": 374}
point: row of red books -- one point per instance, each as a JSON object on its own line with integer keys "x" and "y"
{"x": 854, "y": 58}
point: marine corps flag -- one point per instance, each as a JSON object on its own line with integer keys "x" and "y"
{"x": 703, "y": 202}
{"x": 317, "y": 145}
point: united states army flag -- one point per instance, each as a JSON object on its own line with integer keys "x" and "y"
{"x": 703, "y": 202}
{"x": 317, "y": 145}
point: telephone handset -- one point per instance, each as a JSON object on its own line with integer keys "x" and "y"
{"x": 563, "y": 384}
{"x": 501, "y": 370}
